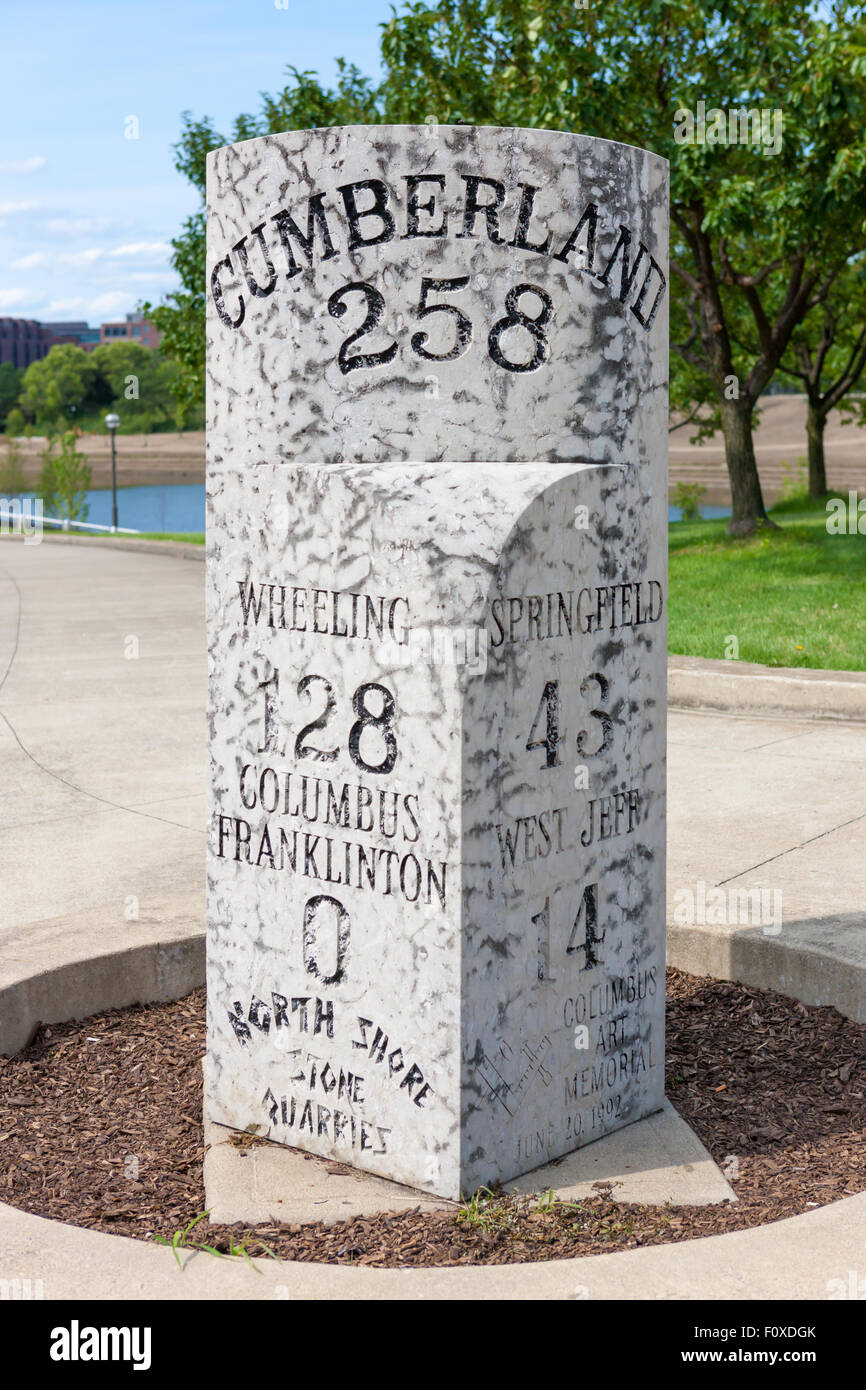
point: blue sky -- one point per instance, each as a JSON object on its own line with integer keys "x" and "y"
{"x": 86, "y": 214}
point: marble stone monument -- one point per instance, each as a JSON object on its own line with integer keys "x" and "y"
{"x": 436, "y": 576}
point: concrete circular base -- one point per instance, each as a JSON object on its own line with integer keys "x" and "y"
{"x": 814, "y": 1256}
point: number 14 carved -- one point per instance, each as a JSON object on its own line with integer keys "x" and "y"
{"x": 585, "y": 938}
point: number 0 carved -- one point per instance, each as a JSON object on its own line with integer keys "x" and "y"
{"x": 313, "y": 949}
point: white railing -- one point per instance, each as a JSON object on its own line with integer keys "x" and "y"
{"x": 66, "y": 525}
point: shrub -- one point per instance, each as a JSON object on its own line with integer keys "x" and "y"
{"x": 687, "y": 496}
{"x": 64, "y": 480}
{"x": 12, "y": 480}
{"x": 15, "y": 423}
{"x": 795, "y": 481}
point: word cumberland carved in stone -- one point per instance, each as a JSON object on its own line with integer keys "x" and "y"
{"x": 380, "y": 343}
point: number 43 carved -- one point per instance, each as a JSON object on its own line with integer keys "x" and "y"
{"x": 548, "y": 719}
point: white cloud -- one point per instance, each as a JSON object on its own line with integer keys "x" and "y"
{"x": 9, "y": 298}
{"x": 70, "y": 225}
{"x": 6, "y": 209}
{"x": 23, "y": 166}
{"x": 60, "y": 306}
{"x": 144, "y": 250}
{"x": 115, "y": 302}
{"x": 160, "y": 249}
{"x": 93, "y": 253}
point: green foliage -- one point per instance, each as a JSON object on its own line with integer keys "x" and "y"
{"x": 15, "y": 423}
{"x": 140, "y": 382}
{"x": 180, "y": 1240}
{"x": 12, "y": 480}
{"x": 57, "y": 389}
{"x": 757, "y": 237}
{"x": 687, "y": 496}
{"x": 795, "y": 481}
{"x": 10, "y": 388}
{"x": 69, "y": 384}
{"x": 827, "y": 357}
{"x": 65, "y": 479}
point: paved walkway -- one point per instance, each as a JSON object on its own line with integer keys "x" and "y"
{"x": 776, "y": 809}
{"x": 102, "y": 695}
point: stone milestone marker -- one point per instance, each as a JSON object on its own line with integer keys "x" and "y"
{"x": 437, "y": 627}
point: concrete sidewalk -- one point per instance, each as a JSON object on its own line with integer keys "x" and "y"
{"x": 777, "y": 805}
{"x": 102, "y": 694}
{"x": 818, "y": 1255}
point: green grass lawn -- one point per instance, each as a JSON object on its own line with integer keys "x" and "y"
{"x": 189, "y": 537}
{"x": 796, "y": 597}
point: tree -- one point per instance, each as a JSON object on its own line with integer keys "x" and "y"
{"x": 753, "y": 233}
{"x": 65, "y": 479}
{"x": 10, "y": 389}
{"x": 139, "y": 382}
{"x": 760, "y": 226}
{"x": 15, "y": 423}
{"x": 828, "y": 355}
{"x": 60, "y": 386}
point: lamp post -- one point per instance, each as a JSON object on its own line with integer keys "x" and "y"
{"x": 111, "y": 423}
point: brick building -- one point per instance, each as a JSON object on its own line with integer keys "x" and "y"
{"x": 23, "y": 341}
{"x": 134, "y": 328}
{"x": 78, "y": 333}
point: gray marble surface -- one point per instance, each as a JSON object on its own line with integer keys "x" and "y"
{"x": 599, "y": 394}
{"x": 446, "y": 958}
{"x": 437, "y": 708}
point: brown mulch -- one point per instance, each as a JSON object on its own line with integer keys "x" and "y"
{"x": 100, "y": 1126}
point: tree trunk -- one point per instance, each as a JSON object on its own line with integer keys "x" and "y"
{"x": 747, "y": 511}
{"x": 815, "y": 422}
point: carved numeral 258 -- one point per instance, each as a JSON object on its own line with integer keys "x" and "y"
{"x": 515, "y": 318}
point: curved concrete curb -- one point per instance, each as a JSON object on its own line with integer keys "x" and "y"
{"x": 742, "y": 687}
{"x": 64, "y": 973}
{"x": 818, "y": 962}
{"x": 812, "y": 1256}
{"x": 182, "y": 550}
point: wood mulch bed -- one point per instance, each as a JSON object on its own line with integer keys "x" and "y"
{"x": 100, "y": 1126}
